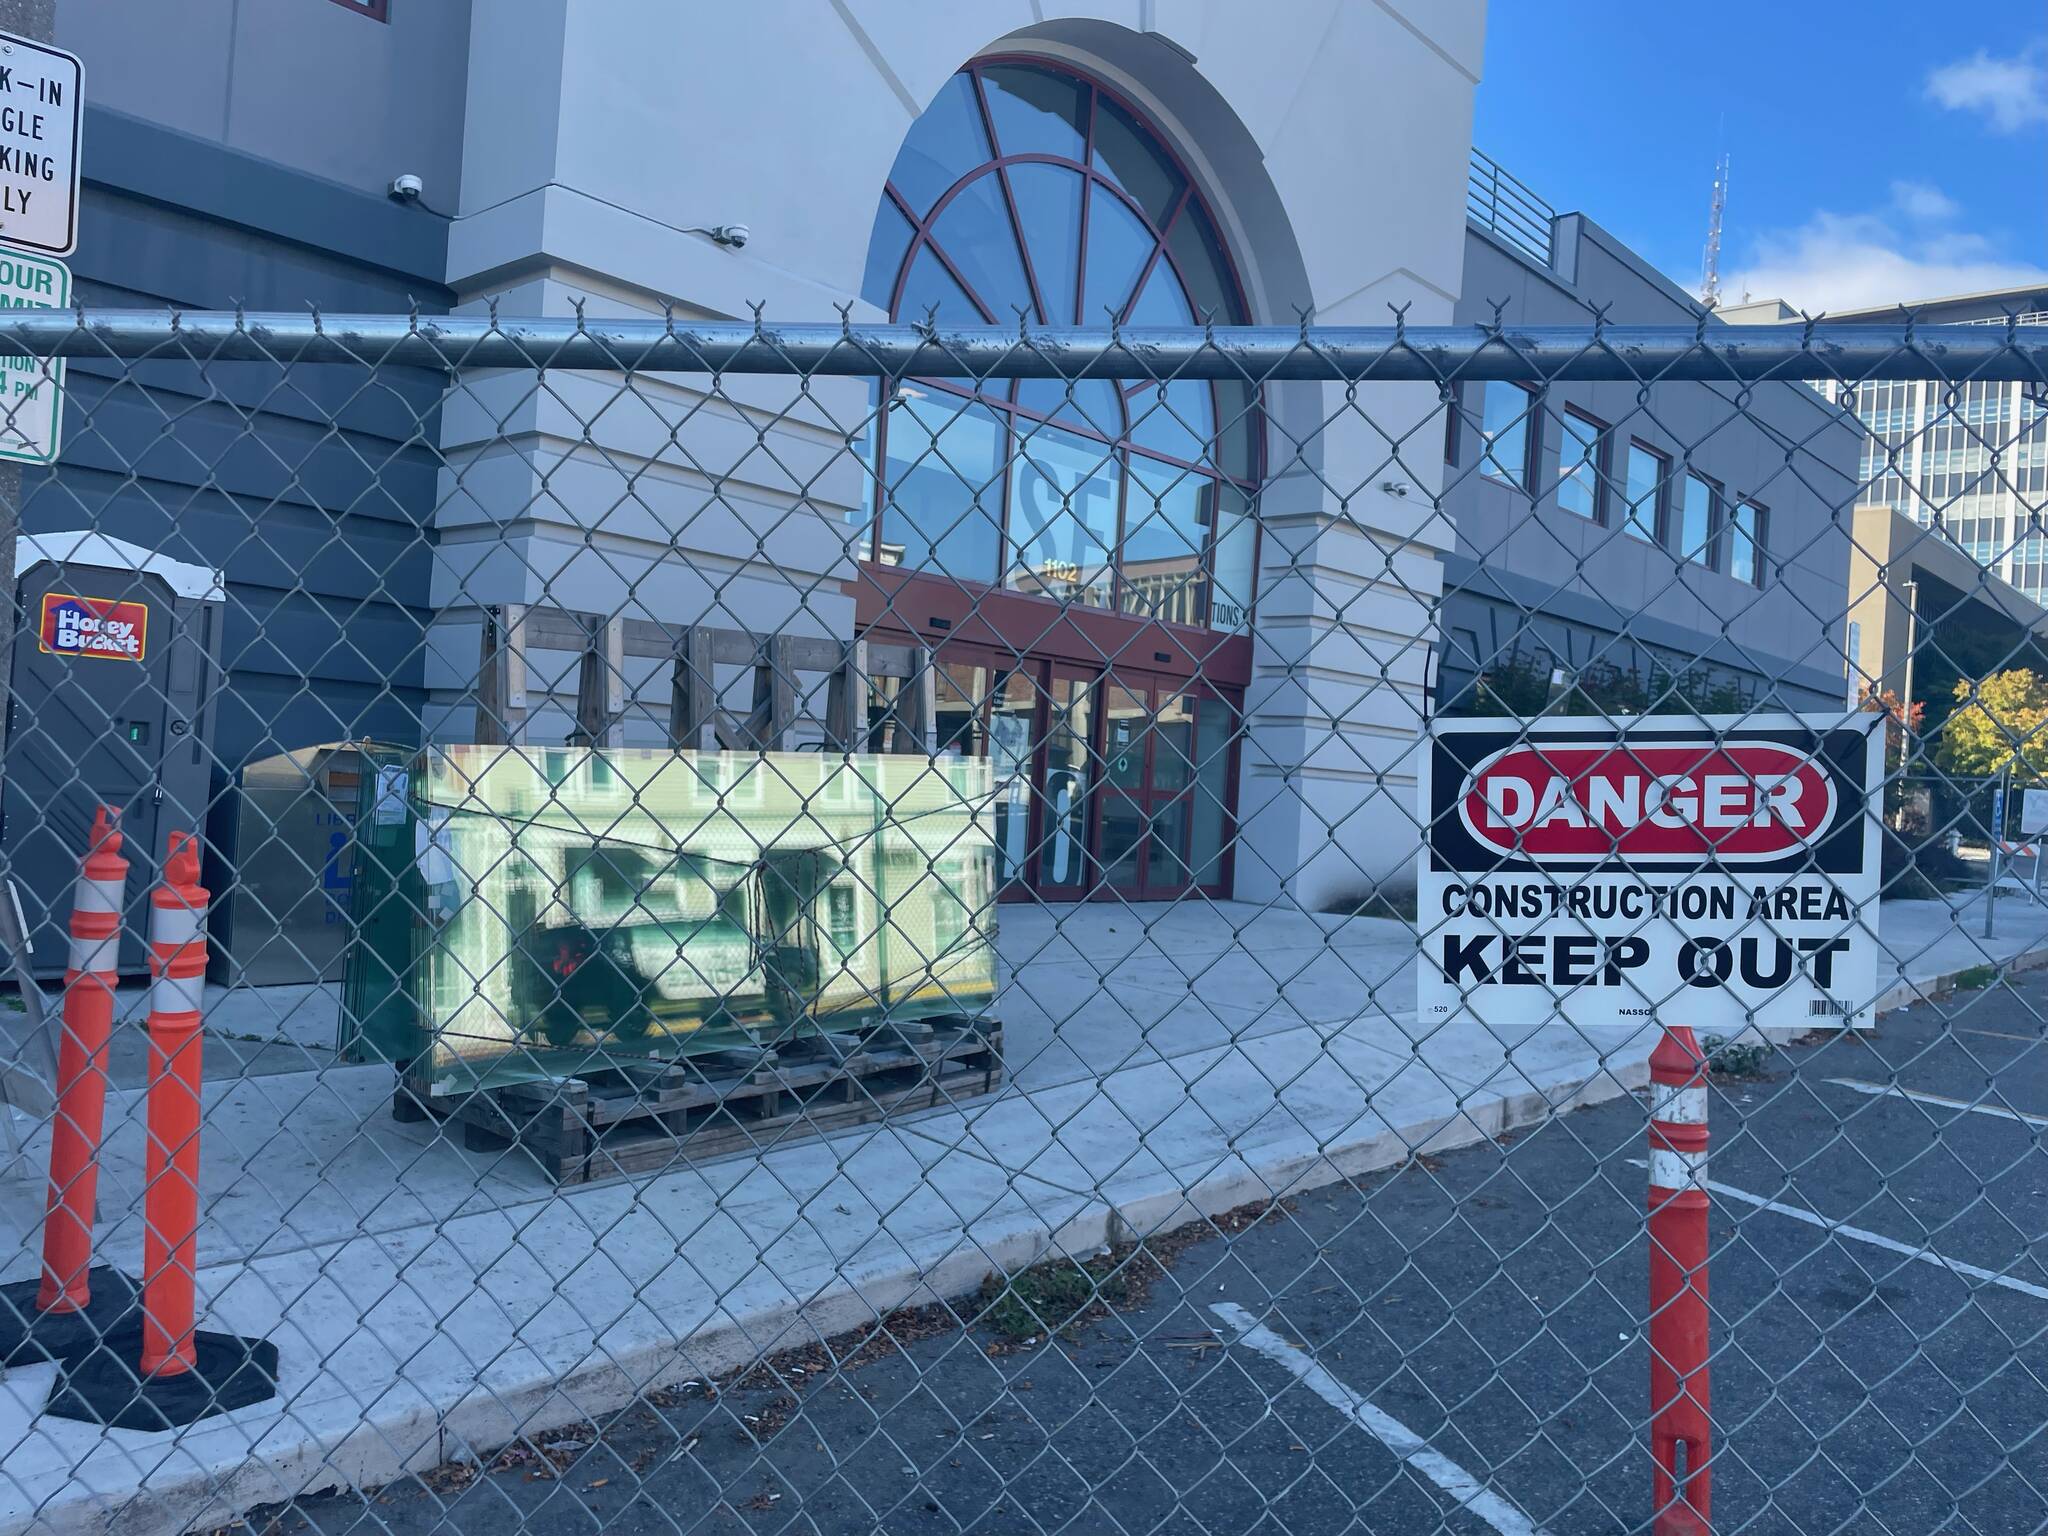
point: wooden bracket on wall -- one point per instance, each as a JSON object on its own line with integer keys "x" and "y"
{"x": 846, "y": 700}
{"x": 916, "y": 707}
{"x": 501, "y": 677}
{"x": 693, "y": 700}
{"x": 512, "y": 632}
{"x": 767, "y": 726}
{"x": 601, "y": 684}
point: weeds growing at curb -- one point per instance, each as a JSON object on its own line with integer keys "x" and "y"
{"x": 1736, "y": 1060}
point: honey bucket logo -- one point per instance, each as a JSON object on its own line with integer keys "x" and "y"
{"x": 106, "y": 629}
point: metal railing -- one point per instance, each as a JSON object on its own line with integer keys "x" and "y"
{"x": 1796, "y": 352}
{"x": 1498, "y": 201}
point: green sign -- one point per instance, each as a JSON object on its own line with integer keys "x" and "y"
{"x": 31, "y": 388}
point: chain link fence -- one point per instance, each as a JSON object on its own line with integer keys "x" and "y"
{"x": 830, "y": 928}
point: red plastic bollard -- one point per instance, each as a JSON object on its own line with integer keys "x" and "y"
{"x": 89, "y": 981}
{"x": 170, "y": 1236}
{"x": 1680, "y": 1401}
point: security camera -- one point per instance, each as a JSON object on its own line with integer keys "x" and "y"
{"x": 734, "y": 235}
{"x": 407, "y": 188}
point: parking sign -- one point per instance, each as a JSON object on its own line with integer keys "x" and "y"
{"x": 42, "y": 102}
{"x": 31, "y": 388}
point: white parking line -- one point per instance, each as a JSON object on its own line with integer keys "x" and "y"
{"x": 1997, "y": 1034}
{"x": 1471, "y": 1494}
{"x": 1875, "y": 1239}
{"x": 1893, "y": 1090}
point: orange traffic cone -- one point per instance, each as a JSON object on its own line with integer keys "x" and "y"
{"x": 169, "y": 1372}
{"x": 75, "y": 1305}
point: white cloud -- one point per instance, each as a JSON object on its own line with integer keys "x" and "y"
{"x": 1922, "y": 200}
{"x": 2011, "y": 92}
{"x": 1906, "y": 251}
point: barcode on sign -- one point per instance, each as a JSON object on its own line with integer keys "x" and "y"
{"x": 1829, "y": 1007}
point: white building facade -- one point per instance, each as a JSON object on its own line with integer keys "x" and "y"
{"x": 1194, "y": 625}
{"x": 1193, "y": 620}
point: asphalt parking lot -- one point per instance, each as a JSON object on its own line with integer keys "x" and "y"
{"x": 1878, "y": 1288}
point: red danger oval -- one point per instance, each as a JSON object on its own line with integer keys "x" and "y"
{"x": 1741, "y": 802}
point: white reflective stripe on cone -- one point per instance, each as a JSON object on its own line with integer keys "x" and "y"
{"x": 174, "y": 925}
{"x": 1677, "y": 1170}
{"x": 95, "y": 954}
{"x": 177, "y": 994}
{"x": 98, "y": 895}
{"x": 1681, "y": 1106}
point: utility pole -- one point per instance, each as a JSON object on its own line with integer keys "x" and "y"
{"x": 1998, "y": 795}
{"x": 34, "y": 1049}
{"x": 1910, "y": 738}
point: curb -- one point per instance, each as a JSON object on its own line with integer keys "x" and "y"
{"x": 198, "y": 1490}
{"x": 1906, "y": 993}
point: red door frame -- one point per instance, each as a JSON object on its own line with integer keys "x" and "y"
{"x": 1045, "y": 671}
{"x": 1156, "y": 688}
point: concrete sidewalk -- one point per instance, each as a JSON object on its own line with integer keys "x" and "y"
{"x": 1168, "y": 1062}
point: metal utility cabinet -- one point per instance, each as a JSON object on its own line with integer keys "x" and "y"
{"x": 114, "y": 677}
{"x": 283, "y": 850}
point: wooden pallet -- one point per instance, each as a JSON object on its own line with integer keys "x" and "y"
{"x": 638, "y": 1120}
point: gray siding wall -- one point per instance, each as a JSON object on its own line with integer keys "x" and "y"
{"x": 1536, "y": 577}
{"x": 311, "y": 487}
{"x": 307, "y": 85}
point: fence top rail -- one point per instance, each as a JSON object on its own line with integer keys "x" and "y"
{"x": 1705, "y": 352}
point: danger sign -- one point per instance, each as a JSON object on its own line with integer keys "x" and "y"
{"x": 1589, "y": 804}
{"x": 1716, "y": 872}
{"x": 106, "y": 629}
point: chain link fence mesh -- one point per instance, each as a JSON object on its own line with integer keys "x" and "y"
{"x": 815, "y": 928}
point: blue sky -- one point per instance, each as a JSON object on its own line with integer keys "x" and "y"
{"x": 1882, "y": 149}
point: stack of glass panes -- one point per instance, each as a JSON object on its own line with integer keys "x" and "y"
{"x": 527, "y": 913}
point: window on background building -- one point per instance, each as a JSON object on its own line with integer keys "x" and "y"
{"x": 1750, "y": 543}
{"x": 2029, "y": 462}
{"x": 1696, "y": 521}
{"x": 1747, "y": 541}
{"x": 1026, "y": 189}
{"x": 1582, "y": 465}
{"x": 376, "y": 10}
{"x": 1649, "y": 476}
{"x": 1507, "y": 433}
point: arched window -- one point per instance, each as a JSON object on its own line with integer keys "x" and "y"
{"x": 1028, "y": 189}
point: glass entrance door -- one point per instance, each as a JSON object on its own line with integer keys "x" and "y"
{"x": 1112, "y": 785}
{"x": 1013, "y": 732}
{"x": 1164, "y": 813}
{"x": 1065, "y": 779}
{"x": 1126, "y": 743}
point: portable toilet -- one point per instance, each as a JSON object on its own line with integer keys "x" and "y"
{"x": 113, "y": 680}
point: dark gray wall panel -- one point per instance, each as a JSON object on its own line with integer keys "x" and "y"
{"x": 311, "y": 488}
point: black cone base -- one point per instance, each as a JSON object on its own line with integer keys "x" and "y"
{"x": 27, "y": 1336}
{"x": 107, "y": 1387}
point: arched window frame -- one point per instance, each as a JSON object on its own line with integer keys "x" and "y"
{"x": 1019, "y": 419}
